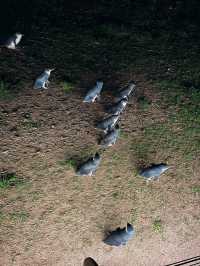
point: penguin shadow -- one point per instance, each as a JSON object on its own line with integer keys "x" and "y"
{"x": 18, "y": 50}
{"x": 141, "y": 164}
{"x": 100, "y": 137}
{"x": 89, "y": 262}
{"x": 107, "y": 101}
{"x": 75, "y": 161}
{"x": 108, "y": 230}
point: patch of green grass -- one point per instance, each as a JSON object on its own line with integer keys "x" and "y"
{"x": 184, "y": 115}
{"x": 115, "y": 195}
{"x": 29, "y": 124}
{"x": 71, "y": 163}
{"x": 173, "y": 136}
{"x": 9, "y": 180}
{"x": 134, "y": 215}
{"x": 144, "y": 102}
{"x": 20, "y": 216}
{"x": 67, "y": 86}
{"x": 116, "y": 157}
{"x": 185, "y": 102}
{"x": 196, "y": 189}
{"x": 109, "y": 172}
{"x": 4, "y": 91}
{"x": 77, "y": 183}
{"x": 123, "y": 134}
{"x": 131, "y": 183}
{"x": 62, "y": 163}
{"x": 141, "y": 149}
{"x": 168, "y": 85}
{"x": 35, "y": 195}
{"x": 2, "y": 217}
{"x": 157, "y": 226}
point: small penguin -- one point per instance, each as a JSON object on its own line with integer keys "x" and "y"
{"x": 111, "y": 137}
{"x": 43, "y": 80}
{"x": 12, "y": 41}
{"x": 153, "y": 172}
{"x": 118, "y": 107}
{"x": 126, "y": 91}
{"x": 93, "y": 93}
{"x": 89, "y": 262}
{"x": 90, "y": 166}
{"x": 120, "y": 236}
{"x": 108, "y": 123}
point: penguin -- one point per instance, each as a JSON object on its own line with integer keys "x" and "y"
{"x": 111, "y": 137}
{"x": 108, "y": 123}
{"x": 12, "y": 41}
{"x": 90, "y": 166}
{"x": 43, "y": 80}
{"x": 93, "y": 93}
{"x": 120, "y": 236}
{"x": 153, "y": 172}
{"x": 118, "y": 107}
{"x": 89, "y": 262}
{"x": 126, "y": 91}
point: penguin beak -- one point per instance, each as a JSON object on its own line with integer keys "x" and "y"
{"x": 52, "y": 69}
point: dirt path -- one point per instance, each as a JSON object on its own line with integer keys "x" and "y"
{"x": 56, "y": 218}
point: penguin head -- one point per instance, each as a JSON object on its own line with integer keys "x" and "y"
{"x": 116, "y": 117}
{"x": 129, "y": 227}
{"x": 117, "y": 127}
{"x": 96, "y": 156}
{"x": 99, "y": 83}
{"x": 18, "y": 34}
{"x": 164, "y": 166}
{"x": 124, "y": 100}
{"x": 18, "y": 37}
{"x": 48, "y": 70}
{"x": 132, "y": 85}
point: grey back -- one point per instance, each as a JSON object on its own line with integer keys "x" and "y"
{"x": 153, "y": 171}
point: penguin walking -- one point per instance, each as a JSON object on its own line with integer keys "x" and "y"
{"x": 111, "y": 137}
{"x": 90, "y": 166}
{"x": 119, "y": 107}
{"x": 108, "y": 123}
{"x": 120, "y": 236}
{"x": 12, "y": 41}
{"x": 153, "y": 172}
{"x": 43, "y": 80}
{"x": 93, "y": 93}
{"x": 125, "y": 92}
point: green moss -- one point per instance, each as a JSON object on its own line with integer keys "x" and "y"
{"x": 5, "y": 92}
{"x": 144, "y": 102}
{"x": 29, "y": 124}
{"x": 20, "y": 216}
{"x": 9, "y": 180}
{"x": 67, "y": 86}
{"x": 196, "y": 189}
{"x": 71, "y": 163}
{"x": 157, "y": 226}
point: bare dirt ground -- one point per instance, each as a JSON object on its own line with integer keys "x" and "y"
{"x": 56, "y": 218}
